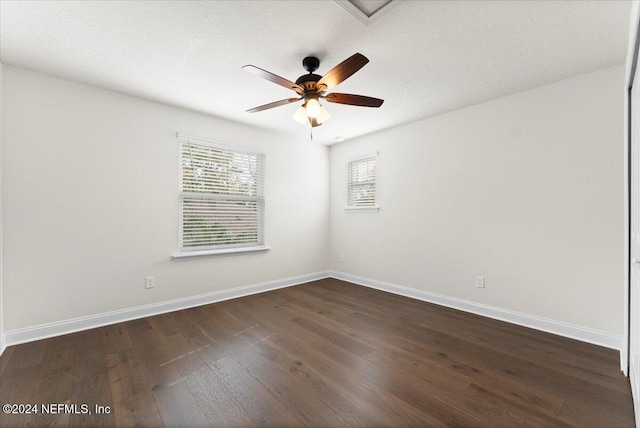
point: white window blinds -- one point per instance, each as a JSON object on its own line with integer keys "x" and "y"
{"x": 221, "y": 196}
{"x": 362, "y": 182}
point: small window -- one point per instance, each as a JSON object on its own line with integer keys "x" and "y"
{"x": 221, "y": 198}
{"x": 362, "y": 184}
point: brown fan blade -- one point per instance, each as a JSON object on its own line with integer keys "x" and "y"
{"x": 273, "y": 78}
{"x": 342, "y": 71}
{"x": 354, "y": 100}
{"x": 273, "y": 104}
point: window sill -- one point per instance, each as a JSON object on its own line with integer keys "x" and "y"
{"x": 363, "y": 209}
{"x": 188, "y": 255}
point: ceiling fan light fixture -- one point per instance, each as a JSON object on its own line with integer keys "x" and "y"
{"x": 323, "y": 116}
{"x": 313, "y": 108}
{"x": 300, "y": 115}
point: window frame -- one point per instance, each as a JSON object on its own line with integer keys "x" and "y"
{"x": 356, "y": 208}
{"x": 185, "y": 253}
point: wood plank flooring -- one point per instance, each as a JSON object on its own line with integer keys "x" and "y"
{"x": 327, "y": 353}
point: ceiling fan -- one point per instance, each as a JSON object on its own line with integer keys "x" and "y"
{"x": 312, "y": 88}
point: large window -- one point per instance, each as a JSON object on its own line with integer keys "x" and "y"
{"x": 361, "y": 176}
{"x": 221, "y": 198}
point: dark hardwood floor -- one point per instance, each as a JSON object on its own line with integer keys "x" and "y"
{"x": 326, "y": 353}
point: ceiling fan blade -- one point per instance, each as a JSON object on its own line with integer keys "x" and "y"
{"x": 273, "y": 104}
{"x": 273, "y": 78}
{"x": 354, "y": 100}
{"x": 342, "y": 71}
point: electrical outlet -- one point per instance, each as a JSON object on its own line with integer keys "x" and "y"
{"x": 341, "y": 258}
{"x": 480, "y": 281}
{"x": 149, "y": 282}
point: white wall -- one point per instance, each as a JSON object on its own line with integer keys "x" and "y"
{"x": 524, "y": 190}
{"x": 90, "y": 198}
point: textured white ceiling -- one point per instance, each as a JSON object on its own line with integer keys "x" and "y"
{"x": 426, "y": 57}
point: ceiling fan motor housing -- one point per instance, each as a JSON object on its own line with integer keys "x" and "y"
{"x": 308, "y": 81}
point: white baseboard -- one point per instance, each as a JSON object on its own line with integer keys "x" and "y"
{"x": 550, "y": 326}
{"x": 43, "y": 331}
{"x": 30, "y": 334}
{"x": 3, "y": 343}
{"x": 624, "y": 357}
